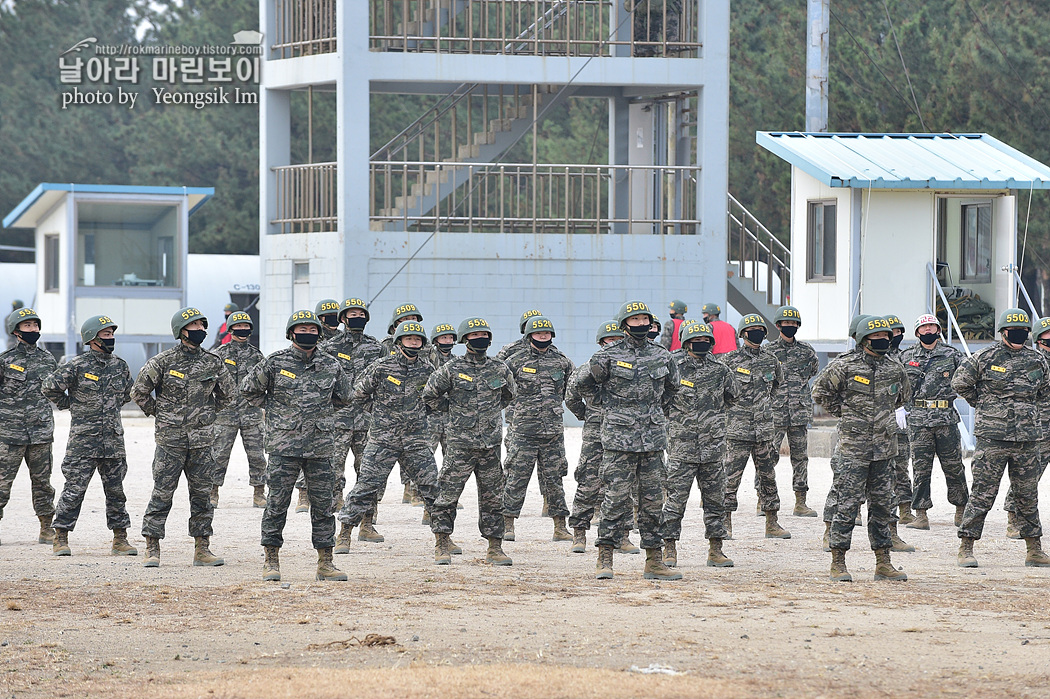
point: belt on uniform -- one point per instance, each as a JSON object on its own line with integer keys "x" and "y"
{"x": 933, "y": 404}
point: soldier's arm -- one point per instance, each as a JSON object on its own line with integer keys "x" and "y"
{"x": 510, "y": 389}
{"x": 826, "y": 389}
{"x": 665, "y": 336}
{"x": 148, "y": 381}
{"x": 812, "y": 366}
{"x": 595, "y": 376}
{"x": 56, "y": 385}
{"x": 128, "y": 383}
{"x": 570, "y": 369}
{"x": 343, "y": 392}
{"x": 904, "y": 395}
{"x": 672, "y": 382}
{"x": 365, "y": 386}
{"x": 964, "y": 381}
{"x": 730, "y": 390}
{"x": 573, "y": 399}
{"x": 255, "y": 385}
{"x": 435, "y": 393}
{"x": 226, "y": 390}
{"x": 778, "y": 376}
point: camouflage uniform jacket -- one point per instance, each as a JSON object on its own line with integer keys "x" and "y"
{"x": 585, "y": 406}
{"x": 512, "y": 348}
{"x": 355, "y": 351}
{"x": 393, "y": 387}
{"x": 793, "y": 402}
{"x": 239, "y": 359}
{"x": 759, "y": 375}
{"x": 387, "y": 346}
{"x": 1005, "y": 387}
{"x": 637, "y": 380}
{"x": 438, "y": 421}
{"x": 184, "y": 387}
{"x": 706, "y": 390}
{"x": 863, "y": 392}
{"x": 541, "y": 378}
{"x": 25, "y": 414}
{"x": 473, "y": 390}
{"x": 94, "y": 386}
{"x": 930, "y": 374}
{"x": 299, "y": 393}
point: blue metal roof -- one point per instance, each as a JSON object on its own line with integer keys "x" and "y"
{"x": 907, "y": 161}
{"x": 197, "y": 195}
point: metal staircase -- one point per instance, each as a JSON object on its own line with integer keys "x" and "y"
{"x": 758, "y": 268}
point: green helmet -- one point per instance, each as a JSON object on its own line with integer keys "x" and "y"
{"x": 16, "y": 304}
{"x": 633, "y": 308}
{"x": 444, "y": 329}
{"x": 853, "y": 324}
{"x": 239, "y": 317}
{"x": 410, "y": 327}
{"x": 1014, "y": 318}
{"x": 895, "y": 322}
{"x": 1040, "y": 326}
{"x": 93, "y": 325}
{"x": 17, "y": 316}
{"x": 531, "y": 313}
{"x": 711, "y": 309}
{"x": 609, "y": 328}
{"x": 657, "y": 323}
{"x": 751, "y": 320}
{"x": 183, "y": 317}
{"x": 473, "y": 325}
{"x": 869, "y": 325}
{"x": 326, "y": 307}
{"x": 787, "y": 313}
{"x": 300, "y": 318}
{"x": 354, "y": 303}
{"x": 693, "y": 330}
{"x": 405, "y": 309}
{"x": 230, "y": 308}
{"x": 538, "y": 324}
{"x": 678, "y": 306}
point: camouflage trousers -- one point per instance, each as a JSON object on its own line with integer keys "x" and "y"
{"x": 547, "y": 456}
{"x": 902, "y": 491}
{"x": 798, "y": 448}
{"x": 620, "y": 470}
{"x": 281, "y": 474}
{"x": 711, "y": 480}
{"x": 1044, "y": 455}
{"x": 78, "y": 472}
{"x": 38, "y": 459}
{"x": 345, "y": 442}
{"x": 251, "y": 439}
{"x": 1024, "y": 464}
{"x": 943, "y": 442}
{"x": 459, "y": 463}
{"x": 416, "y": 460}
{"x": 169, "y": 463}
{"x": 765, "y": 458}
{"x": 854, "y": 479}
{"x": 588, "y": 485}
{"x": 437, "y": 436}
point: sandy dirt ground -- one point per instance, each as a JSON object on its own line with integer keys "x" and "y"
{"x": 774, "y": 625}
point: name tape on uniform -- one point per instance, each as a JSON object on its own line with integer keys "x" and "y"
{"x": 392, "y": 380}
{"x": 344, "y": 356}
{"x": 176, "y": 374}
{"x": 16, "y": 367}
{"x": 465, "y": 377}
{"x": 1000, "y": 369}
{"x": 687, "y": 383}
{"x": 285, "y": 372}
{"x": 528, "y": 370}
{"x": 862, "y": 379}
{"x": 742, "y": 370}
{"x": 230, "y": 361}
{"x": 625, "y": 365}
{"x": 91, "y": 376}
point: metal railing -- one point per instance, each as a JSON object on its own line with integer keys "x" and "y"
{"x": 307, "y": 198}
{"x": 303, "y": 28}
{"x": 520, "y": 198}
{"x": 751, "y": 247}
{"x": 536, "y": 27}
{"x": 1011, "y": 269}
{"x": 952, "y": 320}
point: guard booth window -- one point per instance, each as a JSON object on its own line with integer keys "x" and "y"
{"x": 820, "y": 241}
{"x": 127, "y": 245}
{"x": 51, "y": 263}
{"x": 977, "y": 242}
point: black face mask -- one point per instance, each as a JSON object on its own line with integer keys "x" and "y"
{"x": 700, "y": 346}
{"x": 1044, "y": 343}
{"x": 928, "y": 338}
{"x": 196, "y": 337}
{"x": 755, "y": 337}
{"x": 879, "y": 345}
{"x": 357, "y": 323}
{"x": 638, "y": 331}
{"x": 896, "y": 341}
{"x": 653, "y": 334}
{"x": 108, "y": 343}
{"x": 242, "y": 332}
{"x": 444, "y": 347}
{"x": 1016, "y": 336}
{"x": 479, "y": 344}
{"x": 788, "y": 331}
{"x": 410, "y": 352}
{"x": 29, "y": 337}
{"x": 541, "y": 344}
{"x": 306, "y": 340}
{"x": 330, "y": 320}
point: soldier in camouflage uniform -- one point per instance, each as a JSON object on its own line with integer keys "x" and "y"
{"x": 864, "y": 389}
{"x": 238, "y": 356}
{"x": 1005, "y": 384}
{"x": 932, "y": 420}
{"x": 671, "y": 339}
{"x": 588, "y": 407}
{"x": 299, "y": 387}
{"x": 1041, "y": 334}
{"x": 535, "y": 427}
{"x": 792, "y": 403}
{"x": 406, "y": 311}
{"x": 94, "y": 386}
{"x": 184, "y": 387}
{"x": 393, "y": 388}
{"x": 327, "y": 311}
{"x": 473, "y": 390}
{"x": 637, "y": 380}
{"x": 902, "y": 490}
{"x": 697, "y": 440}
{"x": 27, "y": 425}
{"x": 750, "y": 430}
{"x": 443, "y": 339}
